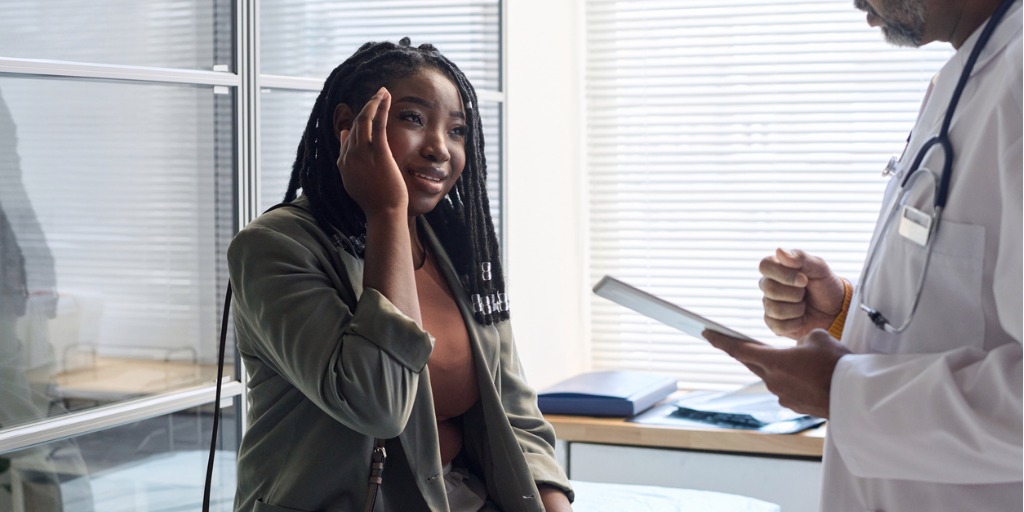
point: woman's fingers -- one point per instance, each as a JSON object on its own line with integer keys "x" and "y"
{"x": 367, "y": 167}
{"x": 365, "y": 125}
{"x": 345, "y": 136}
{"x": 380, "y": 120}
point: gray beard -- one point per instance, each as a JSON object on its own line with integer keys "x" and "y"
{"x": 904, "y": 22}
{"x": 899, "y": 34}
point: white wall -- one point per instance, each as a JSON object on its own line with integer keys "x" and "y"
{"x": 546, "y": 208}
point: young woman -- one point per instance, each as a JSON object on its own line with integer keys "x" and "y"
{"x": 372, "y": 306}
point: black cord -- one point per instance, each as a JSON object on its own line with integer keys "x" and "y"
{"x": 216, "y": 403}
{"x": 986, "y": 34}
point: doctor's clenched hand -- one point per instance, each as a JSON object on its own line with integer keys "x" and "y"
{"x": 800, "y": 376}
{"x": 800, "y": 293}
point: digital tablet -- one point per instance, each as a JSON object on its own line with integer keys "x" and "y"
{"x": 660, "y": 309}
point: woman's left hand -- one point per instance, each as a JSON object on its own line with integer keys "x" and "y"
{"x": 368, "y": 169}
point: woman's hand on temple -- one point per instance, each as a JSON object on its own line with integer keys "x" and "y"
{"x": 368, "y": 170}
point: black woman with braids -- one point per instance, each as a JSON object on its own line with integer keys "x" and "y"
{"x": 372, "y": 306}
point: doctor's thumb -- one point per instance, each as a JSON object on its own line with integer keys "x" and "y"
{"x": 822, "y": 340}
{"x": 792, "y": 258}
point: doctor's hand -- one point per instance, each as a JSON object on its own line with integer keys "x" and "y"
{"x": 800, "y": 376}
{"x": 800, "y": 293}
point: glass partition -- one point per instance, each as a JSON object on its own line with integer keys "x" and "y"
{"x": 154, "y": 465}
{"x": 184, "y": 34}
{"x": 310, "y": 38}
{"x": 283, "y": 114}
{"x": 112, "y": 230}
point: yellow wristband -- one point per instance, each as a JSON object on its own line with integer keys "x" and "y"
{"x": 836, "y": 329}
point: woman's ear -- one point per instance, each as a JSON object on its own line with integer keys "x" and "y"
{"x": 343, "y": 116}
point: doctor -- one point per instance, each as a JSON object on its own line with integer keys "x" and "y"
{"x": 923, "y": 394}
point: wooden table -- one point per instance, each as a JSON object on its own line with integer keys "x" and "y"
{"x": 618, "y": 431}
{"x": 110, "y": 379}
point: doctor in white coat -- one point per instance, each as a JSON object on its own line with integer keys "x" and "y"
{"x": 923, "y": 392}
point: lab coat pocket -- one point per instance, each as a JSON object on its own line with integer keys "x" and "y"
{"x": 262, "y": 506}
{"x": 953, "y": 282}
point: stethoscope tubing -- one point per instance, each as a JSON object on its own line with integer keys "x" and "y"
{"x": 942, "y": 194}
{"x": 942, "y": 191}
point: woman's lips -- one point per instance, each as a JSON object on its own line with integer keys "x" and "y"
{"x": 431, "y": 180}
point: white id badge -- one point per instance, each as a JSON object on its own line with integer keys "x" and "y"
{"x": 915, "y": 225}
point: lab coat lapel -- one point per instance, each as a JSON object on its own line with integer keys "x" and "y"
{"x": 934, "y": 110}
{"x": 1004, "y": 32}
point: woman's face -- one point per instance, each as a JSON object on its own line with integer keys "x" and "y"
{"x": 427, "y": 135}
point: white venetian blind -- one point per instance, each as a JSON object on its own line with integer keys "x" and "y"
{"x": 718, "y": 130}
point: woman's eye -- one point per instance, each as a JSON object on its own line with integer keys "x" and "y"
{"x": 459, "y": 131}
{"x": 412, "y": 117}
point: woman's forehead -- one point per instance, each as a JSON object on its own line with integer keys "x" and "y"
{"x": 427, "y": 84}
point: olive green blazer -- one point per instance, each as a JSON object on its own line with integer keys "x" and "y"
{"x": 332, "y": 365}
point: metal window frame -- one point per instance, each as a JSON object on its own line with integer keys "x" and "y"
{"x": 246, "y": 81}
{"x": 111, "y": 416}
{"x": 47, "y": 430}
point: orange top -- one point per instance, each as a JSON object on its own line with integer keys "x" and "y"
{"x": 452, "y": 372}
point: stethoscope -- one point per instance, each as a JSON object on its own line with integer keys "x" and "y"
{"x": 915, "y": 225}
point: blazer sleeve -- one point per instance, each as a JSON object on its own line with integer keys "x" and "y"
{"x": 359, "y": 364}
{"x": 535, "y": 435}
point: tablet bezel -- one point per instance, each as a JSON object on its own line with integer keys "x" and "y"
{"x": 659, "y": 309}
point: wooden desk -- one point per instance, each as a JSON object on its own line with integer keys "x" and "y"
{"x": 617, "y": 431}
{"x": 110, "y": 378}
{"x": 782, "y": 469}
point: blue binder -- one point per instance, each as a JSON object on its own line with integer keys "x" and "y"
{"x": 606, "y": 393}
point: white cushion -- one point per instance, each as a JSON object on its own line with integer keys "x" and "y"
{"x": 603, "y": 497}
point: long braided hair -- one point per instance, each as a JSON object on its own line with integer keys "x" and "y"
{"x": 462, "y": 220}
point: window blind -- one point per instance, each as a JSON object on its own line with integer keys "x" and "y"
{"x": 718, "y": 131}
{"x": 309, "y": 38}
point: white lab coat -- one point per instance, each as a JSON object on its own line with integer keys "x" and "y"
{"x": 930, "y": 419}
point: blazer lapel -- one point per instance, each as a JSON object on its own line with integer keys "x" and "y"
{"x": 482, "y": 338}
{"x": 505, "y": 472}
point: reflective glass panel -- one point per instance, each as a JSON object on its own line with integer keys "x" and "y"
{"x": 155, "y": 465}
{"x": 187, "y": 34}
{"x": 309, "y": 38}
{"x": 283, "y": 117}
{"x": 115, "y": 211}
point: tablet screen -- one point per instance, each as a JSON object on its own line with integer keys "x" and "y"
{"x": 659, "y": 309}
